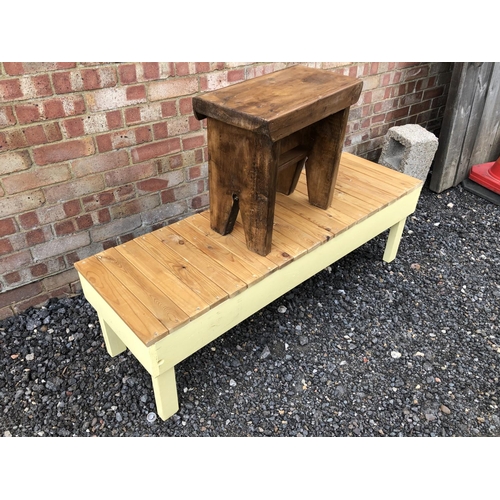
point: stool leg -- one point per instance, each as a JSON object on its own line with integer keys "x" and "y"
{"x": 165, "y": 391}
{"x": 242, "y": 175}
{"x": 114, "y": 345}
{"x": 327, "y": 138}
{"x": 392, "y": 245}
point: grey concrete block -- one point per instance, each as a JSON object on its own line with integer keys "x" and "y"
{"x": 409, "y": 149}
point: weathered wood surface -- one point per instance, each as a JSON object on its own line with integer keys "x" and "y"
{"x": 161, "y": 281}
{"x": 260, "y": 135}
{"x": 470, "y": 132}
{"x": 280, "y": 103}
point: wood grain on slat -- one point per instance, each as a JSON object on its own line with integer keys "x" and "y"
{"x": 217, "y": 273}
{"x": 155, "y": 299}
{"x": 133, "y": 313}
{"x": 261, "y": 264}
{"x": 371, "y": 169}
{"x": 209, "y": 291}
{"x": 184, "y": 297}
{"x": 209, "y": 246}
{"x": 278, "y": 255}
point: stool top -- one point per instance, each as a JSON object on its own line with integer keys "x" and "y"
{"x": 280, "y": 103}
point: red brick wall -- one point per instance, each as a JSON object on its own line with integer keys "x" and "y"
{"x": 94, "y": 154}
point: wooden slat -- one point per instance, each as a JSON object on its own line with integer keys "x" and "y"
{"x": 279, "y": 255}
{"x": 261, "y": 264}
{"x": 320, "y": 218}
{"x": 373, "y": 170}
{"x": 230, "y": 283}
{"x": 146, "y": 292}
{"x": 133, "y": 313}
{"x": 209, "y": 246}
{"x": 209, "y": 291}
{"x": 184, "y": 297}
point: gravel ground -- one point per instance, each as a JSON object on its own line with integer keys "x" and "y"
{"x": 364, "y": 348}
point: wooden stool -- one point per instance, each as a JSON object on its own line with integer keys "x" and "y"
{"x": 260, "y": 134}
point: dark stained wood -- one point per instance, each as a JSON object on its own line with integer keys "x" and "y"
{"x": 280, "y": 103}
{"x": 242, "y": 175}
{"x": 261, "y": 133}
{"x": 323, "y": 162}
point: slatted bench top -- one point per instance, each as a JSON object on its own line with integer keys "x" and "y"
{"x": 161, "y": 281}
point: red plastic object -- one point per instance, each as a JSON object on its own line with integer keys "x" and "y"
{"x": 488, "y": 175}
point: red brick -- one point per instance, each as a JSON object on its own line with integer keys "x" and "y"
{"x": 435, "y": 92}
{"x": 200, "y": 201}
{"x": 38, "y": 270}
{"x": 194, "y": 124}
{"x": 10, "y": 89}
{"x": 98, "y": 200}
{"x": 27, "y": 113}
{"x": 182, "y": 68}
{"x": 114, "y": 119}
{"x": 7, "y": 118}
{"x": 186, "y": 106}
{"x": 63, "y": 106}
{"x": 168, "y": 109}
{"x": 5, "y": 246}
{"x": 420, "y": 108}
{"x": 64, "y": 227}
{"x": 136, "y": 92}
{"x": 74, "y": 127}
{"x": 62, "y": 82}
{"x": 104, "y": 143}
{"x": 11, "y": 140}
{"x": 42, "y": 134}
{"x": 130, "y": 174}
{"x": 14, "y": 68}
{"x": 99, "y": 163}
{"x": 236, "y": 75}
{"x": 41, "y": 177}
{"x": 103, "y": 216}
{"x": 72, "y": 208}
{"x": 90, "y": 78}
{"x": 160, "y": 130}
{"x": 151, "y": 70}
{"x": 67, "y": 150}
{"x": 127, "y": 73}
{"x": 193, "y": 142}
{"x": 84, "y": 222}
{"x": 155, "y": 149}
{"x": 153, "y": 185}
{"x": 41, "y": 84}
{"x": 35, "y": 237}
{"x": 29, "y": 220}
{"x": 12, "y": 278}
{"x": 7, "y": 226}
{"x": 132, "y": 115}
{"x": 202, "y": 67}
{"x": 54, "y": 109}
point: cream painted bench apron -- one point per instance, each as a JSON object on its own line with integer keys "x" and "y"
{"x": 167, "y": 294}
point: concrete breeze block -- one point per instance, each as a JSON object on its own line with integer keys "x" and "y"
{"x": 409, "y": 149}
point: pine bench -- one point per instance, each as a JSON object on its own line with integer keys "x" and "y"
{"x": 169, "y": 293}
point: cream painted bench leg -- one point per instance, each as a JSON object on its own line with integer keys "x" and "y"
{"x": 165, "y": 391}
{"x": 392, "y": 245}
{"x": 114, "y": 345}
